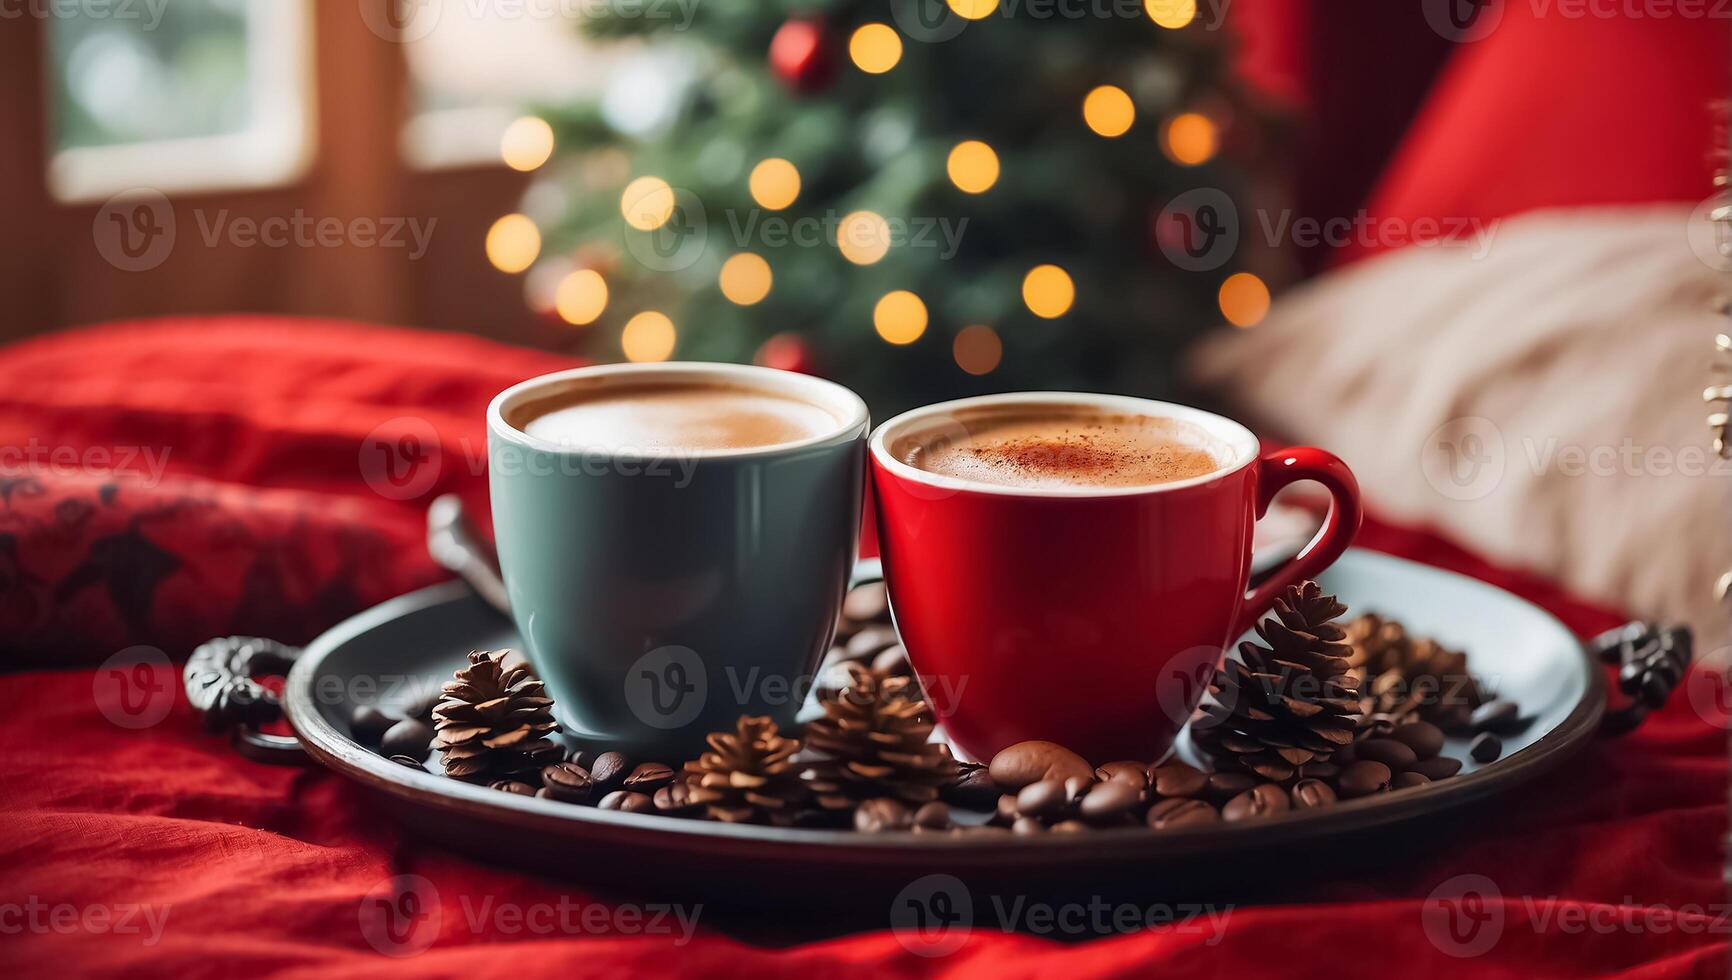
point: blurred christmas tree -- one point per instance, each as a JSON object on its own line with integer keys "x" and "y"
{"x": 918, "y": 198}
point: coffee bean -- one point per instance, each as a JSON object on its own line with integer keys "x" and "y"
{"x": 1396, "y": 755}
{"x": 867, "y": 602}
{"x": 883, "y": 814}
{"x": 1127, "y": 772}
{"x": 674, "y": 799}
{"x": 422, "y": 707}
{"x": 367, "y": 724}
{"x": 567, "y": 781}
{"x": 1497, "y": 716}
{"x": 411, "y": 737}
{"x": 609, "y": 771}
{"x": 1424, "y": 738}
{"x": 1043, "y": 799}
{"x": 1325, "y": 771}
{"x": 1485, "y": 747}
{"x": 1362, "y": 779}
{"x": 1309, "y": 794}
{"x": 892, "y": 660}
{"x": 973, "y": 788}
{"x": 1109, "y": 802}
{"x": 1070, "y": 827}
{"x": 1378, "y": 725}
{"x": 1408, "y": 780}
{"x": 1223, "y": 786}
{"x": 1076, "y": 786}
{"x": 649, "y": 777}
{"x": 513, "y": 786}
{"x": 1437, "y": 767}
{"x": 869, "y": 641}
{"x": 1032, "y": 761}
{"x": 1026, "y": 826}
{"x": 932, "y": 816}
{"x": 627, "y": 801}
{"x": 410, "y": 761}
{"x": 582, "y": 757}
{"x": 1180, "y": 780}
{"x": 1178, "y": 813}
{"x": 1004, "y": 813}
{"x": 1263, "y": 800}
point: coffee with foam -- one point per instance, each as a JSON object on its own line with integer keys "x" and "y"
{"x": 1061, "y": 446}
{"x": 670, "y": 417}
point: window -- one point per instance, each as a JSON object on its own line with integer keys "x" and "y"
{"x": 194, "y": 95}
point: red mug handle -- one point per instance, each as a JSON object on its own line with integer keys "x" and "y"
{"x": 1276, "y": 470}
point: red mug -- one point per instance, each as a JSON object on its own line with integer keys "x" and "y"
{"x": 1088, "y": 616}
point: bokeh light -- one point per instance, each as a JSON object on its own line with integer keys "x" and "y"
{"x": 977, "y": 349}
{"x": 513, "y": 243}
{"x": 1048, "y": 291}
{"x": 973, "y": 9}
{"x": 527, "y": 143}
{"x": 581, "y": 297}
{"x": 745, "y": 278}
{"x": 649, "y": 336}
{"x": 899, "y": 317}
{"x": 1108, "y": 111}
{"x": 1171, "y": 14}
{"x": 647, "y": 203}
{"x": 973, "y": 166}
{"x": 1244, "y": 299}
{"x": 875, "y": 48}
{"x": 774, "y": 183}
{"x": 1190, "y": 138}
{"x": 863, "y": 237}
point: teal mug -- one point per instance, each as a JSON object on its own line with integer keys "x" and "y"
{"x": 660, "y": 595}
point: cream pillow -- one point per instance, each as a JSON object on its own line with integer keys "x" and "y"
{"x": 1540, "y": 404}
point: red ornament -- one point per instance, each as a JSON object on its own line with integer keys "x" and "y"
{"x": 788, "y": 352}
{"x": 802, "y": 55}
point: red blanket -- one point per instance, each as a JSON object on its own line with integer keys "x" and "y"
{"x": 282, "y": 505}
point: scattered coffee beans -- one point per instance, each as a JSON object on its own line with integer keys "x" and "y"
{"x": 1363, "y": 778}
{"x": 1262, "y": 800}
{"x": 1176, "y": 814}
{"x": 609, "y": 771}
{"x": 1424, "y": 738}
{"x": 1030, "y": 762}
{"x": 1309, "y": 794}
{"x": 1392, "y": 753}
{"x": 1485, "y": 747}
{"x": 567, "y": 782}
{"x": 368, "y": 724}
{"x": 411, "y": 737}
{"x": 1178, "y": 779}
{"x": 626, "y": 801}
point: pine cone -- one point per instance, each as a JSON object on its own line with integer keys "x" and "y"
{"x": 748, "y": 776}
{"x": 872, "y": 744}
{"x": 1409, "y": 678}
{"x": 1280, "y": 708}
{"x": 493, "y": 720}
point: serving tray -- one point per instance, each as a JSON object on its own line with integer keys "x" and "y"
{"x": 409, "y": 644}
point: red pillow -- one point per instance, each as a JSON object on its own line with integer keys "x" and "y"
{"x": 1559, "y": 107}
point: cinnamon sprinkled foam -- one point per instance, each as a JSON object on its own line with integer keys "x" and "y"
{"x": 1065, "y": 447}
